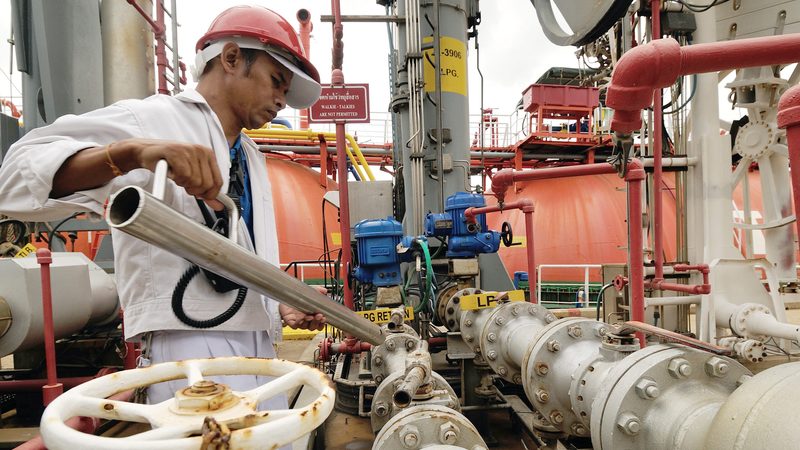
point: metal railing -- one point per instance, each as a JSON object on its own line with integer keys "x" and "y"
{"x": 585, "y": 286}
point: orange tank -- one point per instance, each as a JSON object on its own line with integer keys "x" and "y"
{"x": 297, "y": 196}
{"x": 578, "y": 220}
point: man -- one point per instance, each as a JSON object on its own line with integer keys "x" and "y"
{"x": 251, "y": 65}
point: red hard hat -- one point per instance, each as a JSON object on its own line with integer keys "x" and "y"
{"x": 265, "y": 25}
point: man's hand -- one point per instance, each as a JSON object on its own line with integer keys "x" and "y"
{"x": 299, "y": 320}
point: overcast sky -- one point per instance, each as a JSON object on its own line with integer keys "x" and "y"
{"x": 514, "y": 52}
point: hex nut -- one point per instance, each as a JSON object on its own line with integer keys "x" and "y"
{"x": 492, "y": 355}
{"x": 381, "y": 409}
{"x": 491, "y": 337}
{"x": 542, "y": 396}
{"x": 500, "y": 320}
{"x": 409, "y": 436}
{"x": 542, "y": 368}
{"x": 717, "y": 367}
{"x": 448, "y": 433}
{"x": 553, "y": 346}
{"x": 390, "y": 345}
{"x": 556, "y": 418}
{"x": 378, "y": 360}
{"x": 575, "y": 331}
{"x": 411, "y": 344}
{"x": 502, "y": 371}
{"x": 578, "y": 429}
{"x": 647, "y": 389}
{"x": 629, "y": 424}
{"x": 679, "y": 368}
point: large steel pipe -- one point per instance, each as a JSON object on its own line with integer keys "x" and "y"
{"x": 138, "y": 213}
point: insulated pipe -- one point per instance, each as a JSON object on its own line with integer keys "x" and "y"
{"x": 306, "y": 27}
{"x": 337, "y": 79}
{"x": 789, "y": 118}
{"x": 526, "y": 206}
{"x": 659, "y": 63}
{"x": 503, "y": 179}
{"x": 138, "y": 213}
{"x": 53, "y": 388}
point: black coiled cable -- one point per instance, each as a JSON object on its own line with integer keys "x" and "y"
{"x": 177, "y": 302}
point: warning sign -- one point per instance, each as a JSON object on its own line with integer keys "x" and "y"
{"x": 453, "y": 61}
{"x": 348, "y": 103}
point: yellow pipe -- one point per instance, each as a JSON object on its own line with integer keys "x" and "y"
{"x": 358, "y": 161}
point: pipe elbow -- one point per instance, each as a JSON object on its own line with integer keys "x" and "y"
{"x": 637, "y": 74}
{"x": 635, "y": 171}
{"x": 789, "y": 108}
{"x": 501, "y": 181}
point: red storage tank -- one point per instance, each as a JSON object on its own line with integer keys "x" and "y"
{"x": 297, "y": 196}
{"x": 578, "y": 220}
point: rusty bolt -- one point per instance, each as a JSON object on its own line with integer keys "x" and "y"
{"x": 499, "y": 320}
{"x": 578, "y": 429}
{"x": 556, "y": 418}
{"x": 381, "y": 409}
{"x": 378, "y": 378}
{"x": 542, "y": 396}
{"x": 553, "y": 346}
{"x": 409, "y": 436}
{"x": 679, "y": 368}
{"x": 411, "y": 344}
{"x": 575, "y": 331}
{"x": 542, "y": 368}
{"x": 629, "y": 424}
{"x": 647, "y": 389}
{"x": 517, "y": 379}
{"x": 717, "y": 367}
{"x": 448, "y": 433}
{"x": 492, "y": 355}
{"x": 491, "y": 337}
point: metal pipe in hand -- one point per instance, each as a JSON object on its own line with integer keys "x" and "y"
{"x": 136, "y": 212}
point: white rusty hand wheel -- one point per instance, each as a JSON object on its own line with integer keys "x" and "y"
{"x": 177, "y": 423}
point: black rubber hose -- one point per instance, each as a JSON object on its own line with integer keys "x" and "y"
{"x": 601, "y": 299}
{"x": 177, "y": 303}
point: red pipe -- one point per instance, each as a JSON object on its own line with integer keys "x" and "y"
{"x": 14, "y": 111}
{"x": 526, "y": 206}
{"x": 53, "y": 388}
{"x": 36, "y": 384}
{"x": 503, "y": 179}
{"x": 306, "y": 27}
{"x": 659, "y": 63}
{"x": 337, "y": 79}
{"x": 634, "y": 177}
{"x": 789, "y": 118}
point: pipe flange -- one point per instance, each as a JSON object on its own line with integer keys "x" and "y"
{"x": 506, "y": 321}
{"x": 550, "y": 361}
{"x": 471, "y": 324}
{"x": 738, "y": 321}
{"x": 656, "y": 392}
{"x": 391, "y": 355}
{"x": 439, "y": 392}
{"x": 452, "y": 312}
{"x": 448, "y": 294}
{"x": 425, "y": 426}
{"x": 754, "y": 139}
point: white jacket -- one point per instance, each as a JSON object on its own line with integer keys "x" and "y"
{"x": 146, "y": 275}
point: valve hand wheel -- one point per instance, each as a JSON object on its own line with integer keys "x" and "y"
{"x": 507, "y": 235}
{"x": 203, "y": 407}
